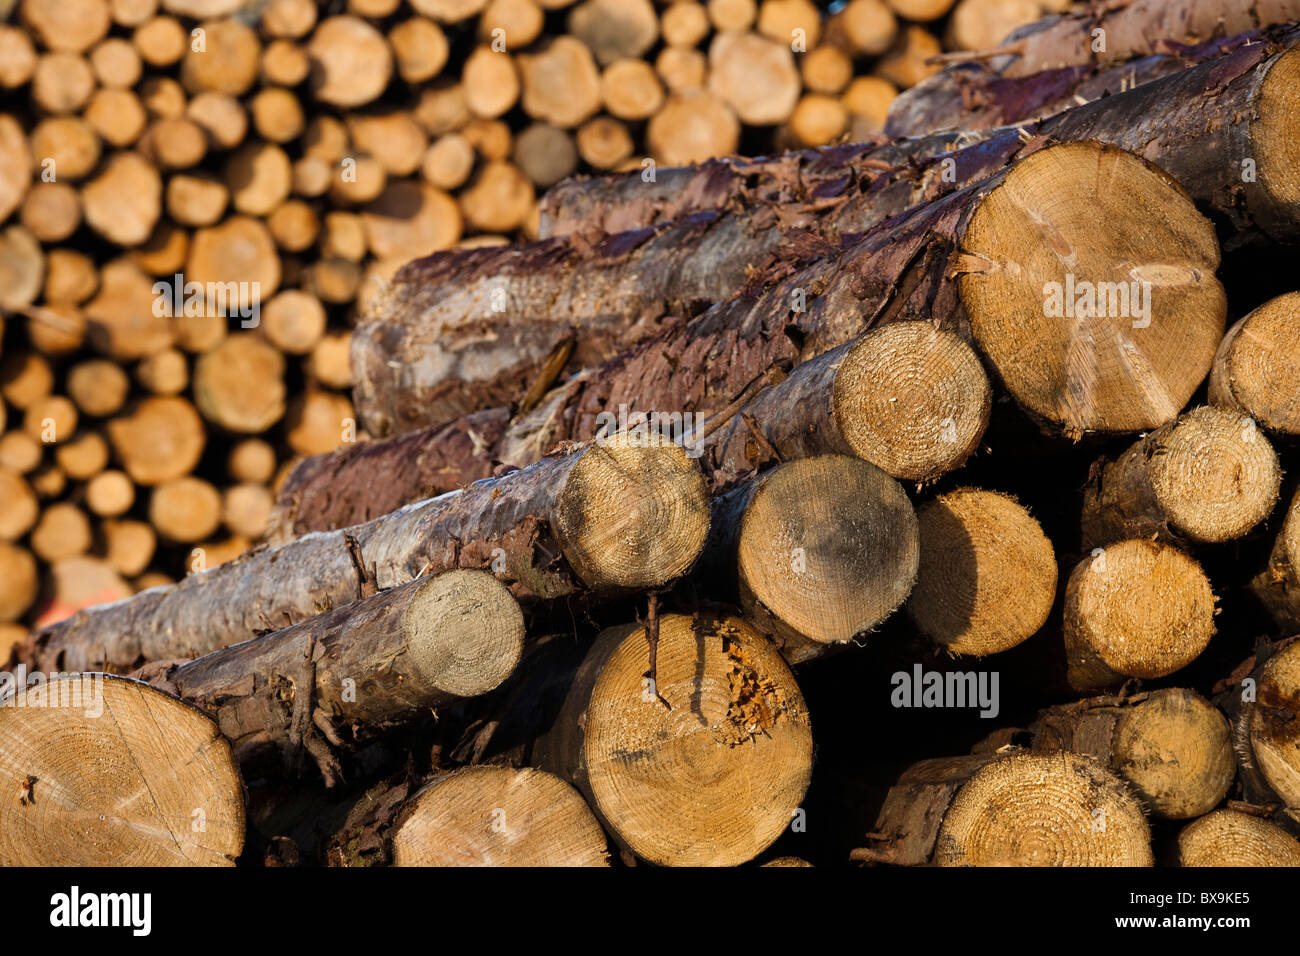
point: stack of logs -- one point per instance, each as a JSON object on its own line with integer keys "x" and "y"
{"x": 963, "y": 455}
{"x": 313, "y": 151}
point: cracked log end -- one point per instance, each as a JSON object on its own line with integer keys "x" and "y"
{"x": 828, "y": 548}
{"x": 464, "y": 632}
{"x": 1175, "y": 749}
{"x": 1138, "y": 608}
{"x": 1029, "y": 809}
{"x": 1278, "y": 585}
{"x": 1233, "y": 838}
{"x": 1065, "y": 220}
{"x": 1272, "y": 134}
{"x": 634, "y": 512}
{"x": 1257, "y": 369}
{"x": 988, "y": 573}
{"x": 912, "y": 399}
{"x": 1273, "y": 725}
{"x": 713, "y": 777}
{"x": 498, "y": 816}
{"x": 125, "y": 786}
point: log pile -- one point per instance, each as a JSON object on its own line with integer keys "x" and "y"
{"x": 984, "y": 435}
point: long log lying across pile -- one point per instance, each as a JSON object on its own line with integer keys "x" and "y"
{"x": 1045, "y": 64}
{"x": 346, "y": 676}
{"x": 104, "y": 771}
{"x": 618, "y": 202}
{"x": 606, "y": 517}
{"x": 404, "y": 365}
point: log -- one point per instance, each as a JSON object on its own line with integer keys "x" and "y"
{"x": 987, "y": 576}
{"x": 164, "y": 373}
{"x": 621, "y": 515}
{"x": 21, "y": 266}
{"x": 1137, "y": 608}
{"x": 139, "y": 782}
{"x": 318, "y": 421}
{"x": 121, "y": 321}
{"x": 185, "y": 510}
{"x": 351, "y": 62}
{"x": 332, "y": 683}
{"x": 544, "y": 153}
{"x": 1207, "y": 477}
{"x": 1278, "y": 585}
{"x": 1254, "y": 371}
{"x": 70, "y": 276}
{"x": 328, "y": 363}
{"x": 239, "y": 384}
{"x": 110, "y": 494}
{"x": 160, "y": 439}
{"x": 19, "y": 584}
{"x": 491, "y": 82}
{"x": 251, "y": 460}
{"x": 21, "y": 507}
{"x": 17, "y": 57}
{"x": 70, "y": 142}
{"x": 62, "y": 82}
{"x": 827, "y": 69}
{"x": 285, "y": 63}
{"x": 277, "y": 115}
{"x": 497, "y": 816}
{"x": 1171, "y": 745}
{"x": 561, "y": 85}
{"x": 979, "y": 25}
{"x": 227, "y": 63}
{"x": 19, "y": 452}
{"x": 1266, "y": 730}
{"x": 51, "y": 212}
{"x": 117, "y": 116}
{"x": 824, "y": 549}
{"x": 1016, "y": 809}
{"x": 128, "y": 546}
{"x": 681, "y": 69}
{"x": 715, "y": 789}
{"x": 24, "y": 378}
{"x": 1232, "y": 838}
{"x": 693, "y": 126}
{"x": 868, "y": 27}
{"x": 420, "y": 49}
{"x": 161, "y": 41}
{"x": 755, "y": 76}
{"x": 85, "y": 456}
{"x": 615, "y": 29}
{"x": 123, "y": 202}
{"x": 50, "y": 419}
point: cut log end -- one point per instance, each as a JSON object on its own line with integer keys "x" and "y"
{"x": 1273, "y": 725}
{"x": 713, "y": 777}
{"x": 828, "y": 548}
{"x": 1124, "y": 317}
{"x": 633, "y": 512}
{"x": 912, "y": 399}
{"x": 1174, "y": 748}
{"x": 465, "y": 632}
{"x": 988, "y": 574}
{"x": 124, "y": 791}
{"x": 1257, "y": 369}
{"x": 498, "y": 816}
{"x": 1138, "y": 608}
{"x": 1030, "y": 809}
{"x": 1233, "y": 838}
{"x": 1273, "y": 137}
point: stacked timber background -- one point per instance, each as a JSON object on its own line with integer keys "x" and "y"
{"x": 314, "y": 148}
{"x": 924, "y": 498}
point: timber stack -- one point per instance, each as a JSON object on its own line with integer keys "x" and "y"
{"x": 979, "y": 423}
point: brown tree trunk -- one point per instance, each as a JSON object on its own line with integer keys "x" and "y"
{"x": 604, "y": 518}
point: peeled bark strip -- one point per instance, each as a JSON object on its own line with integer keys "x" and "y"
{"x": 987, "y": 577}
{"x": 1278, "y": 585}
{"x": 362, "y": 481}
{"x": 1138, "y": 608}
{"x": 704, "y": 765}
{"x": 1172, "y": 745}
{"x": 498, "y": 816}
{"x": 124, "y": 790}
{"x": 1209, "y": 476}
{"x": 1270, "y": 727}
{"x": 343, "y": 678}
{"x": 1014, "y": 809}
{"x": 978, "y": 95}
{"x": 1257, "y": 368}
{"x": 825, "y": 548}
{"x": 1171, "y": 121}
{"x": 1233, "y": 838}
{"x": 607, "y": 517}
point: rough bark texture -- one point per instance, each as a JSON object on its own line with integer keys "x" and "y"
{"x": 333, "y": 682}
{"x": 507, "y": 524}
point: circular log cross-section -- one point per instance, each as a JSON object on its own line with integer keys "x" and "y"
{"x": 1233, "y": 838}
{"x": 1273, "y": 725}
{"x": 1209, "y": 476}
{"x": 912, "y": 399}
{"x": 1257, "y": 368}
{"x": 498, "y": 816}
{"x": 988, "y": 574}
{"x": 1108, "y": 327}
{"x": 705, "y": 764}
{"x": 1138, "y": 608}
{"x": 1058, "y": 809}
{"x": 828, "y": 548}
{"x": 112, "y": 772}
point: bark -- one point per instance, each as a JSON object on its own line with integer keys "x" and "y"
{"x": 337, "y": 681}
{"x": 547, "y": 530}
{"x": 403, "y": 366}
